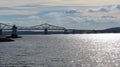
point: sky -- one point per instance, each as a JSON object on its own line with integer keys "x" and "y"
{"x": 78, "y": 14}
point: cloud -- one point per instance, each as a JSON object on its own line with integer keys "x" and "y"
{"x": 73, "y": 11}
{"x": 17, "y": 12}
{"x": 111, "y": 8}
{"x": 33, "y": 17}
{"x": 91, "y": 22}
{"x": 109, "y": 17}
{"x": 69, "y": 17}
{"x": 53, "y": 14}
{"x": 54, "y": 18}
{"x": 12, "y": 3}
{"x": 101, "y": 9}
{"x": 118, "y": 7}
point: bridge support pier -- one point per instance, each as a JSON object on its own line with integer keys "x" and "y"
{"x": 14, "y": 32}
{"x": 65, "y": 31}
{"x": 0, "y": 31}
{"x": 45, "y": 31}
{"x": 73, "y": 31}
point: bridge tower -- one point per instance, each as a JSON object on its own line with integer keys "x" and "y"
{"x": 14, "y": 31}
{"x": 45, "y": 31}
{"x": 0, "y": 31}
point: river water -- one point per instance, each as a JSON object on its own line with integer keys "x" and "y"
{"x": 73, "y": 50}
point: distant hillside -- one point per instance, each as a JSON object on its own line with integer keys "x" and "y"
{"x": 114, "y": 30}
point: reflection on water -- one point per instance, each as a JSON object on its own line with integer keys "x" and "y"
{"x": 79, "y": 50}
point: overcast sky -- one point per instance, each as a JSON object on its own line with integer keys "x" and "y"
{"x": 59, "y": 2}
{"x": 80, "y": 14}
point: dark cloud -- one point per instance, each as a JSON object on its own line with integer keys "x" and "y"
{"x": 103, "y": 9}
{"x": 118, "y": 7}
{"x": 72, "y": 11}
{"x": 108, "y": 17}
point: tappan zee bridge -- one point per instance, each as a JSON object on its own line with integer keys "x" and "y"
{"x": 44, "y": 27}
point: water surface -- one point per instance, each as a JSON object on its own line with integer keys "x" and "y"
{"x": 78, "y": 50}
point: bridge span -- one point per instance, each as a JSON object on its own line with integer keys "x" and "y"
{"x": 45, "y": 27}
{"x": 4, "y": 27}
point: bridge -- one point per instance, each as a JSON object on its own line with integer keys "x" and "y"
{"x": 4, "y": 27}
{"x": 47, "y": 27}
{"x": 44, "y": 27}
